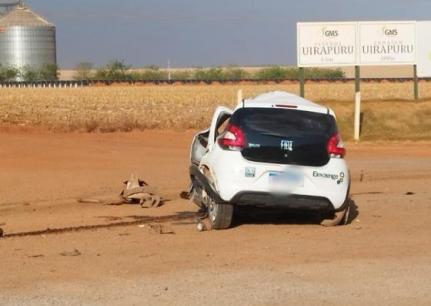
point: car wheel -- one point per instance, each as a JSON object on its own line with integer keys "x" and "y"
{"x": 220, "y": 215}
{"x": 339, "y": 218}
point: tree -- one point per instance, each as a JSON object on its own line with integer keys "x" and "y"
{"x": 114, "y": 70}
{"x": 8, "y": 74}
{"x": 28, "y": 74}
{"x": 84, "y": 71}
{"x": 48, "y": 72}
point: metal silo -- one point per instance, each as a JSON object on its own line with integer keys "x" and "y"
{"x": 26, "y": 40}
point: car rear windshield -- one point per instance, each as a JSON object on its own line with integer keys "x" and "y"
{"x": 267, "y": 130}
{"x": 284, "y": 122}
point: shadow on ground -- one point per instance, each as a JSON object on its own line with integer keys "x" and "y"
{"x": 254, "y": 215}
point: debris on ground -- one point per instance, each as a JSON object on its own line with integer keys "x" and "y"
{"x": 203, "y": 224}
{"x": 361, "y": 179}
{"x": 157, "y": 229}
{"x": 73, "y": 253}
{"x": 1, "y": 232}
{"x": 136, "y": 191}
{"x": 410, "y": 193}
{"x": 36, "y": 256}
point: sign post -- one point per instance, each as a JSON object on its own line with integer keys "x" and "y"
{"x": 302, "y": 82}
{"x": 423, "y": 68}
{"x": 357, "y": 120}
{"x": 416, "y": 82}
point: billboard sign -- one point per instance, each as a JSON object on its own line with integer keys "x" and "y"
{"x": 326, "y": 44}
{"x": 424, "y": 49}
{"x": 387, "y": 43}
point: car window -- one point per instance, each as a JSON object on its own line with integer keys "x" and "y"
{"x": 282, "y": 122}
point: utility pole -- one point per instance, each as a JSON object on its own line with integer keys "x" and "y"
{"x": 169, "y": 69}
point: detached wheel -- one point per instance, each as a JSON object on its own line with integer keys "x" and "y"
{"x": 339, "y": 218}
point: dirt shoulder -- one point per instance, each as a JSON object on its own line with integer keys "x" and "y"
{"x": 382, "y": 257}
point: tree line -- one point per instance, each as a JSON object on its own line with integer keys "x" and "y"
{"x": 118, "y": 70}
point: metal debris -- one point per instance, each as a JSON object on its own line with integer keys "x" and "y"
{"x": 157, "y": 228}
{"x": 135, "y": 191}
{"x": 138, "y": 191}
{"x": 73, "y": 253}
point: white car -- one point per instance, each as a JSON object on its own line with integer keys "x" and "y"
{"x": 276, "y": 150}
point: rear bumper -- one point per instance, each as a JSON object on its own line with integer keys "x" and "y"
{"x": 232, "y": 179}
{"x": 263, "y": 199}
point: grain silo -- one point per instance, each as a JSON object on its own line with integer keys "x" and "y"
{"x": 7, "y": 5}
{"x": 27, "y": 40}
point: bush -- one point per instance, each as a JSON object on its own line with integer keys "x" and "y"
{"x": 181, "y": 75}
{"x": 272, "y": 73}
{"x": 235, "y": 74}
{"x": 48, "y": 72}
{"x": 212, "y": 74}
{"x": 8, "y": 74}
{"x": 84, "y": 71}
{"x": 114, "y": 70}
{"x": 151, "y": 74}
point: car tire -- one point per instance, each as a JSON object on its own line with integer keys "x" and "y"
{"x": 339, "y": 218}
{"x": 220, "y": 215}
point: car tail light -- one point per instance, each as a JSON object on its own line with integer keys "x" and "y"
{"x": 335, "y": 146}
{"x": 233, "y": 138}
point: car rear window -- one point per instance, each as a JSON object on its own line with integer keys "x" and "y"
{"x": 284, "y": 122}
{"x": 285, "y": 136}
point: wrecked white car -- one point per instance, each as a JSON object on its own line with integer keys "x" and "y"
{"x": 276, "y": 150}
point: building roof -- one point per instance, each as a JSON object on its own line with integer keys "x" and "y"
{"x": 23, "y": 16}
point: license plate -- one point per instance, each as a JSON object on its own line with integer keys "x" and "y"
{"x": 283, "y": 181}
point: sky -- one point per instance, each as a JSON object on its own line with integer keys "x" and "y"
{"x": 193, "y": 33}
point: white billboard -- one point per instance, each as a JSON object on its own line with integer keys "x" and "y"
{"x": 326, "y": 44}
{"x": 424, "y": 48}
{"x": 387, "y": 43}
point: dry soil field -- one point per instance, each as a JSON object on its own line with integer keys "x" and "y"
{"x": 382, "y": 258}
{"x": 387, "y": 111}
{"x": 110, "y": 255}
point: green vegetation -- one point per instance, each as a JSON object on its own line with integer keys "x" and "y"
{"x": 118, "y": 70}
{"x": 84, "y": 71}
{"x": 47, "y": 72}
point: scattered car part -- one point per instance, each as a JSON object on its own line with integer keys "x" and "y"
{"x": 138, "y": 191}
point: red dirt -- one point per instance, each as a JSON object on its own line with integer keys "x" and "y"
{"x": 382, "y": 257}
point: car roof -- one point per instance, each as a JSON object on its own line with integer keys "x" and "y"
{"x": 283, "y": 99}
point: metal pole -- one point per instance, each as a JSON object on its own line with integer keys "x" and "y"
{"x": 169, "y": 69}
{"x": 302, "y": 82}
{"x": 357, "y": 123}
{"x": 416, "y": 82}
{"x": 239, "y": 96}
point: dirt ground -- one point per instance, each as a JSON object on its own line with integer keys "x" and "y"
{"x": 109, "y": 255}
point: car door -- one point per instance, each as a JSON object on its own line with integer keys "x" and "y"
{"x": 220, "y": 116}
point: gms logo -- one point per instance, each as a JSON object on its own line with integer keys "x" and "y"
{"x": 389, "y": 31}
{"x": 330, "y": 33}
